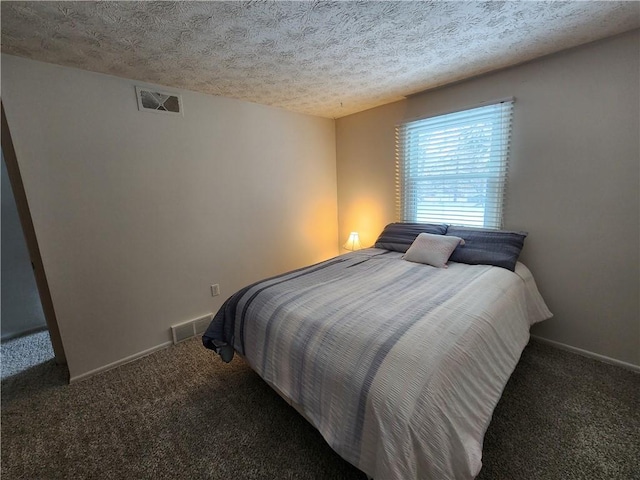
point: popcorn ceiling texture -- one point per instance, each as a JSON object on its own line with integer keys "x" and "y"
{"x": 321, "y": 58}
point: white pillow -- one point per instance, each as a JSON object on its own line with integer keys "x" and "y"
{"x": 432, "y": 249}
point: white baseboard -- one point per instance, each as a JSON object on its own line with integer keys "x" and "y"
{"x": 587, "y": 353}
{"x": 122, "y": 361}
{"x": 562, "y": 346}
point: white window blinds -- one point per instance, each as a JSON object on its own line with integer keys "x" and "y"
{"x": 452, "y": 168}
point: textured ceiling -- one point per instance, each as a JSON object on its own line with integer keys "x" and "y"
{"x": 322, "y": 58}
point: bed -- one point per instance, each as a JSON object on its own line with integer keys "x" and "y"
{"x": 398, "y": 364}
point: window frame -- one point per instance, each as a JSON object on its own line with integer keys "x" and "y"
{"x": 489, "y": 125}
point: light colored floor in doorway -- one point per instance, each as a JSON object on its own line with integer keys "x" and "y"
{"x": 20, "y": 354}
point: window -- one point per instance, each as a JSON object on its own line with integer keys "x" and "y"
{"x": 452, "y": 168}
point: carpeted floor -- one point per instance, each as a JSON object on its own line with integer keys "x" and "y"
{"x": 183, "y": 414}
{"x": 20, "y": 354}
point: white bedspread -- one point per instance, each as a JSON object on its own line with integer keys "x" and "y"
{"x": 398, "y": 365}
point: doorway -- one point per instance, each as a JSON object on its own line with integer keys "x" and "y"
{"x": 29, "y": 329}
{"x": 24, "y": 340}
{"x": 21, "y": 307}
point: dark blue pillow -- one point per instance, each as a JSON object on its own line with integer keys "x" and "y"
{"x": 400, "y": 236}
{"x": 487, "y": 247}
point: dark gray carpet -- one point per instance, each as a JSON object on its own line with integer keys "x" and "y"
{"x": 181, "y": 414}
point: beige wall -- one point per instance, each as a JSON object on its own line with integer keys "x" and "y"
{"x": 138, "y": 213}
{"x": 573, "y": 183}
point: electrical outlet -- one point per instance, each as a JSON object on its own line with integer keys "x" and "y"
{"x": 215, "y": 290}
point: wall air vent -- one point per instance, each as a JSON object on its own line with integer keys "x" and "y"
{"x": 189, "y": 329}
{"x": 152, "y": 100}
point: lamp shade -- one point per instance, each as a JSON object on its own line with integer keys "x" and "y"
{"x": 353, "y": 243}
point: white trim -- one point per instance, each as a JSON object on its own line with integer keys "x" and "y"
{"x": 587, "y": 353}
{"x": 122, "y": 361}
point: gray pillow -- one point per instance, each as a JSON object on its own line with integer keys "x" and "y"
{"x": 431, "y": 249}
{"x": 487, "y": 247}
{"x": 400, "y": 236}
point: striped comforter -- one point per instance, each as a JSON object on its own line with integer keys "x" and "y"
{"x": 399, "y": 365}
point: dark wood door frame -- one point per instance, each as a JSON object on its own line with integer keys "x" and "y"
{"x": 17, "y": 186}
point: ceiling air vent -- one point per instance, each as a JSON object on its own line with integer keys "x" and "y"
{"x": 152, "y": 100}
